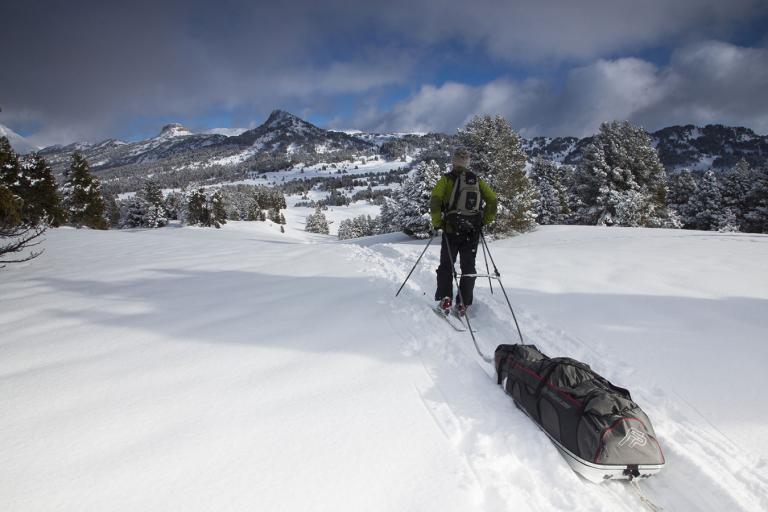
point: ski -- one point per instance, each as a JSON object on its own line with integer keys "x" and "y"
{"x": 448, "y": 318}
{"x": 461, "y": 319}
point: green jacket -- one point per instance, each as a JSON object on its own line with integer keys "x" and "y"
{"x": 441, "y": 196}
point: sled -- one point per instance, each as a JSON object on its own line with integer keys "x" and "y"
{"x": 595, "y": 425}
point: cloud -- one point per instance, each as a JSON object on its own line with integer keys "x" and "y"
{"x": 523, "y": 31}
{"x": 710, "y": 82}
{"x": 88, "y": 68}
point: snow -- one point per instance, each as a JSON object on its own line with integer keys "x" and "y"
{"x": 172, "y": 130}
{"x": 18, "y": 143}
{"x": 229, "y": 132}
{"x": 241, "y": 368}
{"x": 704, "y": 163}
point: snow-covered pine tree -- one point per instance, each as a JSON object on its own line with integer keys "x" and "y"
{"x": 756, "y": 219}
{"x": 41, "y": 199}
{"x": 347, "y": 230}
{"x": 706, "y": 204}
{"x": 197, "y": 211}
{"x": 254, "y": 211}
{"x": 112, "y": 211}
{"x": 146, "y": 209}
{"x": 133, "y": 212}
{"x": 497, "y": 156}
{"x": 729, "y": 222}
{"x": 360, "y": 226}
{"x": 152, "y": 193}
{"x": 174, "y": 204}
{"x": 317, "y": 223}
{"x": 31, "y": 179}
{"x": 682, "y": 185}
{"x": 621, "y": 179}
{"x": 414, "y": 198}
{"x": 156, "y": 216}
{"x": 218, "y": 208}
{"x": 82, "y": 195}
{"x": 736, "y": 185}
{"x": 16, "y": 233}
{"x": 390, "y": 211}
{"x": 549, "y": 179}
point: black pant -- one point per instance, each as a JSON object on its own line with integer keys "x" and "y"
{"x": 466, "y": 247}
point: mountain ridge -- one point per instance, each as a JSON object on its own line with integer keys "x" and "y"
{"x": 285, "y": 137}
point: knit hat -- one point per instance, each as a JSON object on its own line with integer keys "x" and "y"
{"x": 461, "y": 158}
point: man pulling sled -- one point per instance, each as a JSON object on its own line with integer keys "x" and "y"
{"x": 461, "y": 205}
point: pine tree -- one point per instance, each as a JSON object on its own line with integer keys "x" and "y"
{"x": 682, "y": 186}
{"x": 317, "y": 223}
{"x": 347, "y": 230}
{"x": 134, "y": 212}
{"x": 414, "y": 200}
{"x": 622, "y": 181}
{"x": 729, "y": 222}
{"x": 218, "y": 209}
{"x": 196, "y": 212}
{"x": 254, "y": 211}
{"x": 41, "y": 199}
{"x": 276, "y": 216}
{"x": 497, "y": 156}
{"x": 360, "y": 226}
{"x": 152, "y": 193}
{"x": 706, "y": 204}
{"x": 174, "y": 204}
{"x": 736, "y": 185}
{"x": 390, "y": 212}
{"x": 31, "y": 179}
{"x": 112, "y": 208}
{"x": 82, "y": 195}
{"x": 17, "y": 233}
{"x": 155, "y": 217}
{"x": 552, "y": 206}
{"x": 756, "y": 218}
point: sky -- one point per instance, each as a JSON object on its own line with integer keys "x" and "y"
{"x": 89, "y": 70}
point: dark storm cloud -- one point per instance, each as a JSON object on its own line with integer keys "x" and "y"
{"x": 83, "y": 69}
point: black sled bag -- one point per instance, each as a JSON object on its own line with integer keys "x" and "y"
{"x": 597, "y": 427}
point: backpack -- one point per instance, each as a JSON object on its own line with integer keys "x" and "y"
{"x": 465, "y": 214}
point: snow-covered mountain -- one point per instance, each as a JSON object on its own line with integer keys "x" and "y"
{"x": 282, "y": 135}
{"x": 173, "y": 139}
{"x": 285, "y": 133}
{"x": 680, "y": 147}
{"x": 285, "y": 139}
{"x": 18, "y": 143}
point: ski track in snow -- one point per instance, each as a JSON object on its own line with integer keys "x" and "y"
{"x": 138, "y": 379}
{"x": 513, "y": 463}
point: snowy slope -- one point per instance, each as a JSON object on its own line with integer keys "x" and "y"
{"x": 245, "y": 369}
{"x": 18, "y": 143}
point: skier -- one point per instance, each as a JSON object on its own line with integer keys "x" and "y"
{"x": 457, "y": 208}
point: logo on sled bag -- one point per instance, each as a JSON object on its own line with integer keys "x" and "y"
{"x": 634, "y": 438}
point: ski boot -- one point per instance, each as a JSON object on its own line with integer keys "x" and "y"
{"x": 445, "y": 305}
{"x": 461, "y": 310}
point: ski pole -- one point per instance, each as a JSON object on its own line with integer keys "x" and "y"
{"x": 431, "y": 237}
{"x": 496, "y": 271}
{"x": 487, "y": 359}
{"x": 485, "y": 257}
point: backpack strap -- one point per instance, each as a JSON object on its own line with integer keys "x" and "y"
{"x": 454, "y": 201}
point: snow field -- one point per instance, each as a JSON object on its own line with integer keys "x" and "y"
{"x": 241, "y": 368}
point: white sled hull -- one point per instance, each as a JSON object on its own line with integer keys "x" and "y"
{"x": 598, "y": 473}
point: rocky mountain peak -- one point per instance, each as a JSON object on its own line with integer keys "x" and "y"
{"x": 173, "y": 130}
